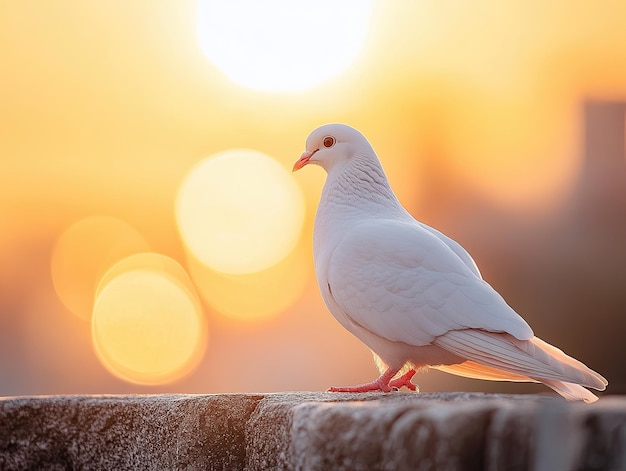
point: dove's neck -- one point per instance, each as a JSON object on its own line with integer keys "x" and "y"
{"x": 355, "y": 192}
{"x": 360, "y": 186}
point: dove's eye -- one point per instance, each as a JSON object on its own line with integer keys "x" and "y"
{"x": 329, "y": 141}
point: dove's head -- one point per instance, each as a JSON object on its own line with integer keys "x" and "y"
{"x": 332, "y": 145}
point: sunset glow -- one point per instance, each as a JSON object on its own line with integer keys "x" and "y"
{"x": 166, "y": 132}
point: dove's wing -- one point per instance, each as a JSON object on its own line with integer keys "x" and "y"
{"x": 455, "y": 247}
{"x": 404, "y": 283}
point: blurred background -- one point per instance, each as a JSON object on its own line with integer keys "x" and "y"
{"x": 153, "y": 239}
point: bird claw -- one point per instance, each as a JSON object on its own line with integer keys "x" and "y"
{"x": 378, "y": 384}
{"x": 381, "y": 384}
{"x": 367, "y": 387}
{"x": 404, "y": 380}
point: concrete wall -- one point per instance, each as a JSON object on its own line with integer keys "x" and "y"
{"x": 312, "y": 431}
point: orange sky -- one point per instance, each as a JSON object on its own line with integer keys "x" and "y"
{"x": 104, "y": 108}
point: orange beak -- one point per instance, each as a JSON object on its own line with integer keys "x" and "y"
{"x": 303, "y": 160}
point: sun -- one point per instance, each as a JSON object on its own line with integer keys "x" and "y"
{"x": 282, "y": 45}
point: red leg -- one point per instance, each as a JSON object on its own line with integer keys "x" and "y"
{"x": 379, "y": 384}
{"x": 404, "y": 380}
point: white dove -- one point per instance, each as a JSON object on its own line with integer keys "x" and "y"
{"x": 412, "y": 295}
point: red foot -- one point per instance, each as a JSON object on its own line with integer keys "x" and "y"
{"x": 376, "y": 385}
{"x": 384, "y": 383}
{"x": 404, "y": 380}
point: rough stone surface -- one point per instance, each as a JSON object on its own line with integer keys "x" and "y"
{"x": 125, "y": 432}
{"x": 312, "y": 431}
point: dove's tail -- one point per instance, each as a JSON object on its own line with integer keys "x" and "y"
{"x": 571, "y": 391}
{"x": 502, "y": 357}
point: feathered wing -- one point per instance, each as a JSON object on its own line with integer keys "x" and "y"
{"x": 406, "y": 283}
{"x": 453, "y": 245}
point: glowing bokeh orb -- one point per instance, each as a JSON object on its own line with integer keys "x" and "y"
{"x": 147, "y": 322}
{"x": 84, "y": 252}
{"x": 239, "y": 211}
{"x": 282, "y": 45}
{"x": 255, "y": 296}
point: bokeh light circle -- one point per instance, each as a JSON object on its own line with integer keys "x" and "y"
{"x": 282, "y": 45}
{"x": 147, "y": 322}
{"x": 239, "y": 211}
{"x": 84, "y": 252}
{"x": 255, "y": 296}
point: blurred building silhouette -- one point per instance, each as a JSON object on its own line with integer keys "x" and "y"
{"x": 588, "y": 247}
{"x": 600, "y": 197}
{"x": 564, "y": 272}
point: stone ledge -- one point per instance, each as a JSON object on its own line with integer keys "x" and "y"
{"x": 312, "y": 431}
